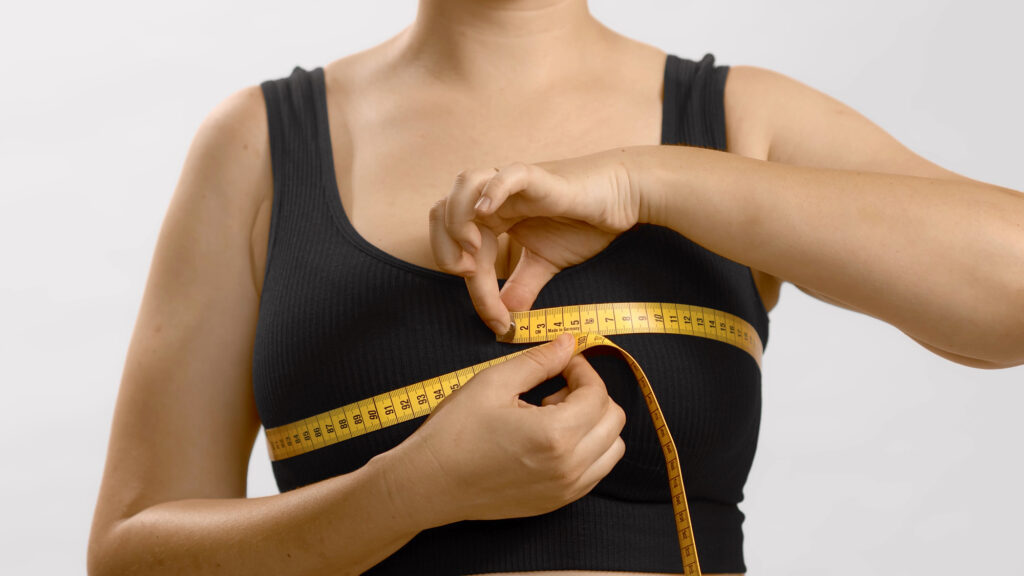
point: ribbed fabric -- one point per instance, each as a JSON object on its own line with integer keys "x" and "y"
{"x": 340, "y": 321}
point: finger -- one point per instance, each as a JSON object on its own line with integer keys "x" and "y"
{"x": 602, "y": 466}
{"x": 448, "y": 254}
{"x": 482, "y": 284}
{"x": 524, "y": 372}
{"x": 598, "y": 439}
{"x": 523, "y": 190}
{"x": 555, "y": 397}
{"x": 525, "y": 282}
{"x": 587, "y": 399}
{"x": 459, "y": 211}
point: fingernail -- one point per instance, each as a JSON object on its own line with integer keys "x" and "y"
{"x": 467, "y": 247}
{"x": 499, "y": 327}
{"x": 482, "y": 204}
{"x": 564, "y": 340}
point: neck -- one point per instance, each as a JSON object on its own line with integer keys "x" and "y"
{"x": 500, "y": 42}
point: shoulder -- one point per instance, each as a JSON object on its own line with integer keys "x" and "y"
{"x": 230, "y": 152}
{"x": 226, "y": 184}
{"x": 772, "y": 116}
{"x": 751, "y": 95}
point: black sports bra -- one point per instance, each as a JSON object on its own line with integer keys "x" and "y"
{"x": 316, "y": 349}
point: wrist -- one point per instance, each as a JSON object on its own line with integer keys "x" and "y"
{"x": 635, "y": 166}
{"x": 411, "y": 494}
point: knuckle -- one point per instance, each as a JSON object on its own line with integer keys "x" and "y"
{"x": 437, "y": 210}
{"x": 571, "y": 493}
{"x": 620, "y": 415}
{"x": 520, "y": 171}
{"x": 537, "y": 357}
{"x": 496, "y": 180}
{"x": 551, "y": 441}
{"x": 459, "y": 266}
{"x": 446, "y": 264}
{"x": 474, "y": 176}
{"x": 534, "y": 171}
{"x": 517, "y": 167}
{"x": 453, "y": 264}
{"x": 566, "y": 476}
{"x": 447, "y": 267}
{"x": 511, "y": 171}
{"x": 619, "y": 448}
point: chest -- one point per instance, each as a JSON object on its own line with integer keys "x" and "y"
{"x": 394, "y": 158}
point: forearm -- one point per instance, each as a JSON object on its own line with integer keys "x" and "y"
{"x": 342, "y": 525}
{"x": 941, "y": 260}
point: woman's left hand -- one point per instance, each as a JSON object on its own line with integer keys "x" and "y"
{"x": 562, "y": 213}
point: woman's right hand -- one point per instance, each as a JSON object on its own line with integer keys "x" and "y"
{"x": 484, "y": 453}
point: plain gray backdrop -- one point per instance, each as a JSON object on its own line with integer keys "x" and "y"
{"x": 876, "y": 456}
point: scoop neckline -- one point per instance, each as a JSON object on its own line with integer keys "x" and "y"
{"x": 348, "y": 230}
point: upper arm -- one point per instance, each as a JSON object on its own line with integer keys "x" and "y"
{"x": 958, "y": 358}
{"x": 783, "y": 120}
{"x": 185, "y": 419}
{"x": 776, "y": 118}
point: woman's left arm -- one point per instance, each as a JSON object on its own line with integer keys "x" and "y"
{"x": 848, "y": 214}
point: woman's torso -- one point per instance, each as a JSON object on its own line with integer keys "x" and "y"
{"x": 398, "y": 138}
{"x": 431, "y": 137}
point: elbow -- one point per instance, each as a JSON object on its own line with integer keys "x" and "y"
{"x": 104, "y": 557}
{"x": 1007, "y": 350}
{"x": 1010, "y": 352}
{"x": 997, "y": 356}
{"x": 1015, "y": 356}
{"x": 1013, "y": 353}
{"x": 1003, "y": 327}
{"x": 1002, "y": 364}
{"x": 99, "y": 559}
{"x": 982, "y": 363}
{"x": 1018, "y": 357}
{"x": 989, "y": 364}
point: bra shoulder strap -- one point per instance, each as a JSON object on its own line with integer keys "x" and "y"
{"x": 299, "y": 137}
{"x": 694, "y": 102}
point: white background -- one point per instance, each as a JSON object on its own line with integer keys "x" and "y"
{"x": 876, "y": 456}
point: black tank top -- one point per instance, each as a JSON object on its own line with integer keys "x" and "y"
{"x": 341, "y": 320}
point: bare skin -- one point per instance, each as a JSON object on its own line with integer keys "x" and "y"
{"x": 469, "y": 84}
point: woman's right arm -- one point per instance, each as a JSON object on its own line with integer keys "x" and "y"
{"x": 172, "y": 499}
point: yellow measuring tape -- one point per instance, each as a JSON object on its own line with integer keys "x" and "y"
{"x": 591, "y": 323}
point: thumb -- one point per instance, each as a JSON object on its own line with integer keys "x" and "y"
{"x": 526, "y": 371}
{"x": 530, "y": 275}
